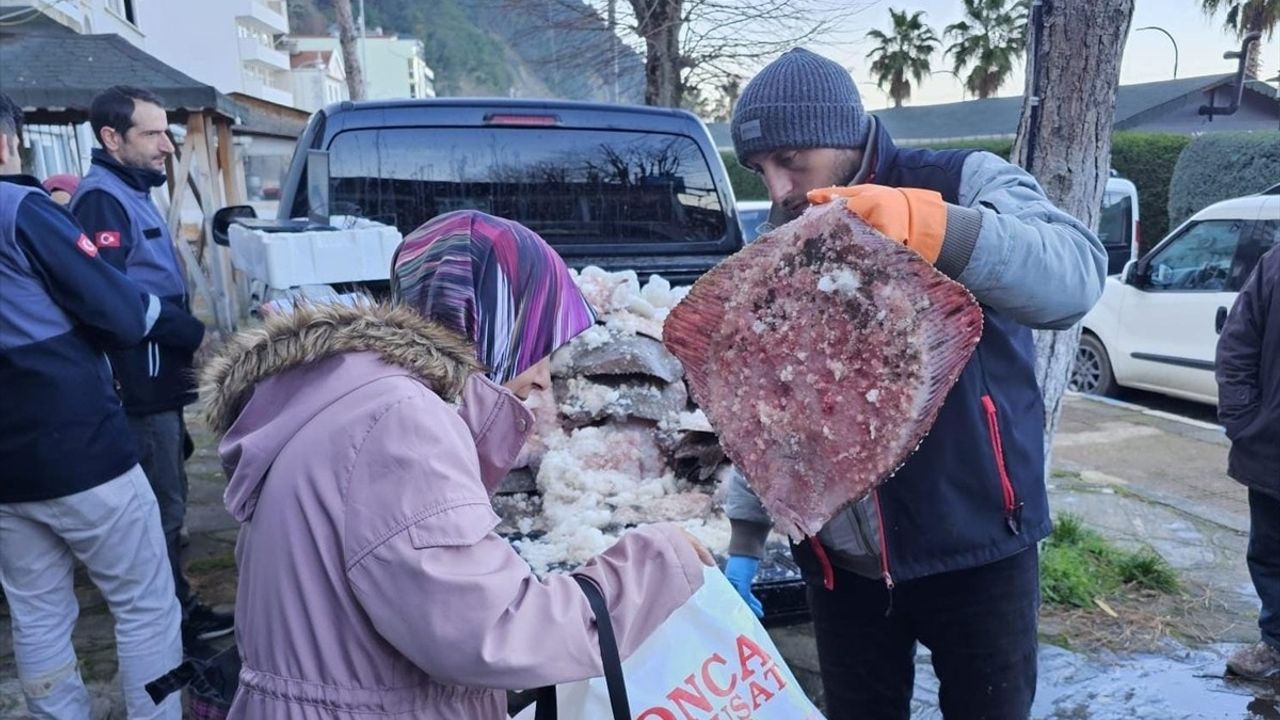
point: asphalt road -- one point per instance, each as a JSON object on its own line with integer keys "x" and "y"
{"x": 1164, "y": 403}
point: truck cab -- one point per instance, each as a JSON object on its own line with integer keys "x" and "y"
{"x": 620, "y": 187}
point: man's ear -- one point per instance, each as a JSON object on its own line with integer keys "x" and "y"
{"x": 9, "y": 147}
{"x": 109, "y": 138}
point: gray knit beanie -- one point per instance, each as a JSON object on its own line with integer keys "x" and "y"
{"x": 800, "y": 100}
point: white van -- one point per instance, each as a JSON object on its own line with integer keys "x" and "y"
{"x": 1156, "y": 327}
{"x": 1119, "y": 228}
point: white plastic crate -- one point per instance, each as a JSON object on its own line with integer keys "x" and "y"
{"x": 361, "y": 250}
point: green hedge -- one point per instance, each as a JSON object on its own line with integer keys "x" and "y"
{"x": 997, "y": 147}
{"x": 746, "y": 184}
{"x": 1221, "y": 166}
{"x": 1147, "y": 159}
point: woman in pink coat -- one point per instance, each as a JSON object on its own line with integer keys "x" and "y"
{"x": 362, "y": 446}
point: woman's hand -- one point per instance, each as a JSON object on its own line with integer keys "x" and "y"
{"x": 703, "y": 553}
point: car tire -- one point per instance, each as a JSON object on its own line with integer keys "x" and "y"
{"x": 1091, "y": 371}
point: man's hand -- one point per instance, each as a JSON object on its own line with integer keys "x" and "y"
{"x": 916, "y": 218}
{"x": 741, "y": 570}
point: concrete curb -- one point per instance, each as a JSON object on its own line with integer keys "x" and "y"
{"x": 1141, "y": 410}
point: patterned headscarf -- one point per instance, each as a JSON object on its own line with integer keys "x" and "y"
{"x": 495, "y": 282}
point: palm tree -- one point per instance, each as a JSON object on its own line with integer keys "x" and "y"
{"x": 987, "y": 42}
{"x": 1246, "y": 16}
{"x": 903, "y": 53}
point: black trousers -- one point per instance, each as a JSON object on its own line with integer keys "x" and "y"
{"x": 159, "y": 437}
{"x": 980, "y": 625}
{"x": 1264, "y": 561}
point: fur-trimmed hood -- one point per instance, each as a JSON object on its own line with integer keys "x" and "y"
{"x": 399, "y": 334}
{"x": 270, "y": 382}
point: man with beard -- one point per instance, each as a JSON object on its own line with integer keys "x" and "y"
{"x": 113, "y": 203}
{"x": 944, "y": 553}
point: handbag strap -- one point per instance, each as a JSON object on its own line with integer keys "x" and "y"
{"x": 608, "y": 649}
{"x": 612, "y": 661}
{"x": 545, "y": 703}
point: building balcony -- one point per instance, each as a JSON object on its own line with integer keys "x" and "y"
{"x": 268, "y": 92}
{"x": 254, "y": 52}
{"x": 263, "y": 13}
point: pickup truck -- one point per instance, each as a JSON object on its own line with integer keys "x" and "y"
{"x": 618, "y": 187}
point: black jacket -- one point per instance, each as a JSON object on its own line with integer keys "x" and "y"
{"x": 1248, "y": 373}
{"x": 62, "y": 429}
{"x": 114, "y": 206}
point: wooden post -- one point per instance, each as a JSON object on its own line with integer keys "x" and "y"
{"x": 235, "y": 195}
{"x": 234, "y": 190}
{"x": 211, "y": 198}
{"x": 178, "y": 184}
{"x": 177, "y": 197}
{"x": 226, "y": 162}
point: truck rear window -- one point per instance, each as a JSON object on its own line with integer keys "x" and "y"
{"x": 574, "y": 187}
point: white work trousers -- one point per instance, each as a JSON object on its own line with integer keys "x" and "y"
{"x": 114, "y": 529}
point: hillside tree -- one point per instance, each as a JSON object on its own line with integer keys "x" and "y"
{"x": 687, "y": 44}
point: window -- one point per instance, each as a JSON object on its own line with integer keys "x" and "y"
{"x": 1200, "y": 258}
{"x": 1115, "y": 226}
{"x": 752, "y": 220}
{"x": 123, "y": 8}
{"x": 1268, "y": 235}
{"x": 263, "y": 175}
{"x": 575, "y": 187}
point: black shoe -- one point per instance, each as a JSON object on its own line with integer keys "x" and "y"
{"x": 205, "y": 623}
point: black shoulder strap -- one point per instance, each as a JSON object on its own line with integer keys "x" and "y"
{"x": 546, "y": 697}
{"x": 171, "y": 682}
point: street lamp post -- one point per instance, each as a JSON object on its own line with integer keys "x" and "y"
{"x": 1175, "y": 45}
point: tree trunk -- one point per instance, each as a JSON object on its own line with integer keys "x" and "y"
{"x": 658, "y": 22}
{"x": 1066, "y": 143}
{"x": 1253, "y": 62}
{"x": 350, "y": 55}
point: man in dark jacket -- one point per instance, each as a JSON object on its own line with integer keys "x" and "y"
{"x": 1248, "y": 374}
{"x": 113, "y": 203}
{"x": 944, "y": 553}
{"x": 70, "y": 485}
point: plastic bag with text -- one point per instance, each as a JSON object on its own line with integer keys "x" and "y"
{"x": 711, "y": 660}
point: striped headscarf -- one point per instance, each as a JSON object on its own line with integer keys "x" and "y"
{"x": 495, "y": 282}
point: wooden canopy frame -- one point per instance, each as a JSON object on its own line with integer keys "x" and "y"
{"x": 208, "y": 142}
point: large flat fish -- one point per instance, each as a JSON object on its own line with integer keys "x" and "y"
{"x": 821, "y": 354}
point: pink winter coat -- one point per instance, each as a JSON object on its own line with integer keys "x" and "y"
{"x": 371, "y": 581}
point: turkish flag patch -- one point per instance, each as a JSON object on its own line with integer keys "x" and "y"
{"x": 108, "y": 239}
{"x": 87, "y": 247}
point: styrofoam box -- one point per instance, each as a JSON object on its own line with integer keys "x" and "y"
{"x": 361, "y": 250}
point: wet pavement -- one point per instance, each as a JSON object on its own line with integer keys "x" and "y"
{"x": 1140, "y": 477}
{"x": 1137, "y": 476}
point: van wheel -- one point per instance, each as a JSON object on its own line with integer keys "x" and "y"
{"x": 1091, "y": 372}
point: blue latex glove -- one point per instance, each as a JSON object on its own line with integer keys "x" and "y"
{"x": 741, "y": 570}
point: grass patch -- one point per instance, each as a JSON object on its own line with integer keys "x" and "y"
{"x": 1077, "y": 566}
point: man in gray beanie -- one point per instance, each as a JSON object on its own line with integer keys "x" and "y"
{"x": 944, "y": 553}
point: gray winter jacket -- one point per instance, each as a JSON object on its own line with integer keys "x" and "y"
{"x": 1019, "y": 255}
